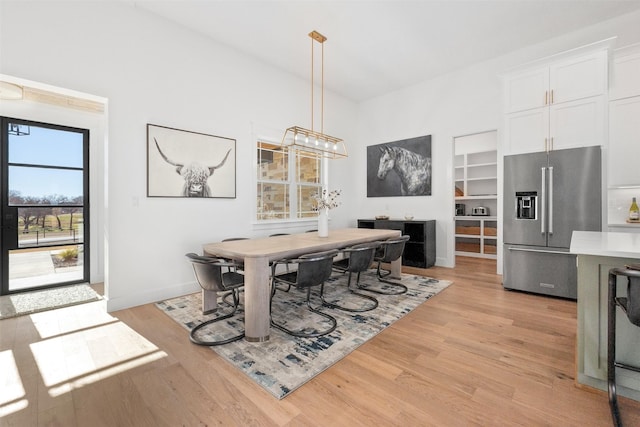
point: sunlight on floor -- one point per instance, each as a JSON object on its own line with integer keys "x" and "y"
{"x": 67, "y": 349}
{"x": 13, "y": 394}
{"x": 74, "y": 359}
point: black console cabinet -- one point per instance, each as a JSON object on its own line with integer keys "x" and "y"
{"x": 420, "y": 250}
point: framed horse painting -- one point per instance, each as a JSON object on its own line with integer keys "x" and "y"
{"x": 399, "y": 168}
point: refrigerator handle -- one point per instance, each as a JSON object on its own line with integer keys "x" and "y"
{"x": 550, "y": 199}
{"x": 541, "y": 251}
{"x": 543, "y": 208}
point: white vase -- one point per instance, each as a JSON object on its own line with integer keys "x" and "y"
{"x": 323, "y": 223}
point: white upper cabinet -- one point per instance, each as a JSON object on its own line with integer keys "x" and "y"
{"x": 624, "y": 118}
{"x": 560, "y": 105}
{"x": 578, "y": 123}
{"x": 578, "y": 78}
{"x": 527, "y": 131}
{"x": 527, "y": 90}
{"x": 625, "y": 74}
{"x": 624, "y": 141}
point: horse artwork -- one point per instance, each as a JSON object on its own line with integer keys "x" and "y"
{"x": 400, "y": 168}
{"x": 189, "y": 164}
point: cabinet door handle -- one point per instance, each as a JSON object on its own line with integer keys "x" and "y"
{"x": 551, "y": 145}
{"x": 545, "y": 144}
{"x": 546, "y": 96}
{"x": 551, "y": 96}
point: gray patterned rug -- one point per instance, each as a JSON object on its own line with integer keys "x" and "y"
{"x": 284, "y": 363}
{"x": 47, "y": 299}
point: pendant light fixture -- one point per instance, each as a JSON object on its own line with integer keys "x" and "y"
{"x": 309, "y": 139}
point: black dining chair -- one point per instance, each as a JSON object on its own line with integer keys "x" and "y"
{"x": 288, "y": 288}
{"x": 239, "y": 263}
{"x": 211, "y": 276}
{"x": 356, "y": 259}
{"x": 312, "y": 270}
{"x": 630, "y": 305}
{"x": 390, "y": 250}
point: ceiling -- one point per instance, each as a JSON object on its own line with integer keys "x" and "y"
{"x": 375, "y": 47}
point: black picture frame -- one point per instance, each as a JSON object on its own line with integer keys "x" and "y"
{"x": 400, "y": 168}
{"x": 189, "y": 164}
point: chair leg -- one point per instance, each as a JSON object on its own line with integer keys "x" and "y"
{"x": 227, "y": 295}
{"x": 351, "y": 291}
{"x": 400, "y": 288}
{"x": 287, "y": 289}
{"x": 192, "y": 333}
{"x": 611, "y": 351}
{"x": 315, "y": 332}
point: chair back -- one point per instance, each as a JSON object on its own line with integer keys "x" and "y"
{"x": 633, "y": 300}
{"x": 208, "y": 272}
{"x": 314, "y": 269}
{"x": 360, "y": 256}
{"x": 393, "y": 248}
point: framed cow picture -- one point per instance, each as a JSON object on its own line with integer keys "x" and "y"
{"x": 399, "y": 168}
{"x": 189, "y": 164}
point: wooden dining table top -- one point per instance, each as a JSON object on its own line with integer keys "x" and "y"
{"x": 292, "y": 245}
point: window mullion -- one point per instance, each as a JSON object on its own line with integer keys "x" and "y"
{"x": 293, "y": 184}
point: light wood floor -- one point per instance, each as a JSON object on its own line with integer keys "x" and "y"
{"x": 472, "y": 355}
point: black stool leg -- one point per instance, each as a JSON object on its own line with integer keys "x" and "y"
{"x": 611, "y": 351}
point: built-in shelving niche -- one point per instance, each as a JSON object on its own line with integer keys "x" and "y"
{"x": 476, "y": 185}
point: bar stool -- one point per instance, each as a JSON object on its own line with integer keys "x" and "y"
{"x": 631, "y": 307}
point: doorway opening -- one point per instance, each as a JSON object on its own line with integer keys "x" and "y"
{"x": 44, "y": 205}
{"x": 476, "y": 216}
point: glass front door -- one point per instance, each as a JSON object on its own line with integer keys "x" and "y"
{"x": 45, "y": 216}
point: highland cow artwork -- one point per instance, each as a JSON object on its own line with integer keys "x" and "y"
{"x": 400, "y": 168}
{"x": 189, "y": 164}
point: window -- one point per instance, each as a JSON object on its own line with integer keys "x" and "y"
{"x": 44, "y": 202}
{"x": 287, "y": 180}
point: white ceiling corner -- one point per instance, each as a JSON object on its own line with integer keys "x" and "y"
{"x": 377, "y": 46}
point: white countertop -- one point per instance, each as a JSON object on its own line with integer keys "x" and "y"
{"x": 622, "y": 245}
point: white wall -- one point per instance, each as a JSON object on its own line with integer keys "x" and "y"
{"x": 459, "y": 103}
{"x": 152, "y": 71}
{"x": 455, "y": 104}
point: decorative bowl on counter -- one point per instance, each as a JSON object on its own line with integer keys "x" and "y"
{"x": 382, "y": 216}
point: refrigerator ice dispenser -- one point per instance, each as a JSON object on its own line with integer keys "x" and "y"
{"x": 526, "y": 204}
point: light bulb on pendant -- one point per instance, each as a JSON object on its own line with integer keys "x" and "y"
{"x": 316, "y": 141}
{"x": 306, "y": 139}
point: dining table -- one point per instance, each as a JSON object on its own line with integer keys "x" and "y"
{"x": 257, "y": 253}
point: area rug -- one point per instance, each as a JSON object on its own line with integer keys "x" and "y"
{"x": 47, "y": 299}
{"x": 284, "y": 363}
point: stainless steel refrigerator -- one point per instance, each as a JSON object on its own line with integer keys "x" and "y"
{"x": 546, "y": 197}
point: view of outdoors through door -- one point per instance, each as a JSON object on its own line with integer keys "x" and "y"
{"x": 44, "y": 205}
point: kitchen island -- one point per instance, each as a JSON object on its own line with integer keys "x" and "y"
{"x": 597, "y": 253}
